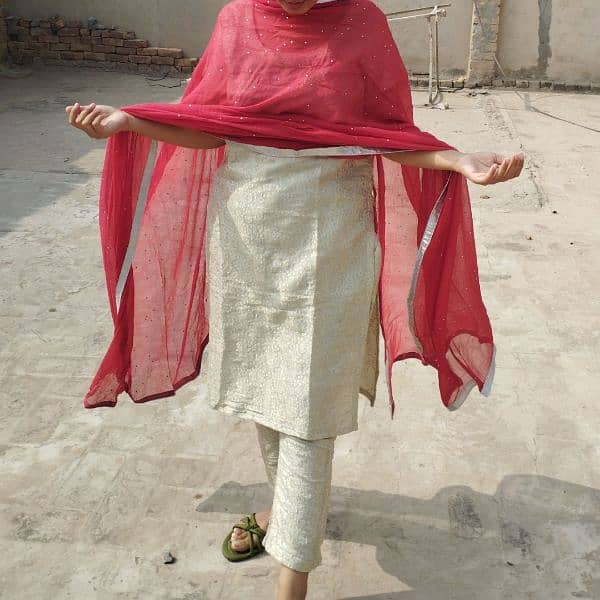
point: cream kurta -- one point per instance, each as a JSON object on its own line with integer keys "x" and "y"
{"x": 293, "y": 266}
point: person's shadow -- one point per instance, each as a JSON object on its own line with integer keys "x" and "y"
{"x": 536, "y": 537}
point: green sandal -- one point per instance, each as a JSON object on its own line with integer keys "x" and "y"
{"x": 256, "y": 535}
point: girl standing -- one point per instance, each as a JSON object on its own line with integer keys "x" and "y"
{"x": 293, "y": 208}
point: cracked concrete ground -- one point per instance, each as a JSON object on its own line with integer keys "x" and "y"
{"x": 499, "y": 500}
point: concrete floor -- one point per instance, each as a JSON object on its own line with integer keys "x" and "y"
{"x": 500, "y": 499}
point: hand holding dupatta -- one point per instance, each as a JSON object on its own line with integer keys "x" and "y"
{"x": 100, "y": 121}
{"x": 97, "y": 120}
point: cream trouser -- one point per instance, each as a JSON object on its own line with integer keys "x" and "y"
{"x": 299, "y": 472}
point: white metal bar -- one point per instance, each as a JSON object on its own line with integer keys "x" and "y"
{"x": 413, "y": 10}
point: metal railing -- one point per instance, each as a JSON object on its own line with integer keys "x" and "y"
{"x": 433, "y": 14}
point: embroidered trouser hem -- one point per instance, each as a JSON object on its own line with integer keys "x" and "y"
{"x": 299, "y": 472}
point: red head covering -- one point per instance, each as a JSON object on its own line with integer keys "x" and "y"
{"x": 330, "y": 78}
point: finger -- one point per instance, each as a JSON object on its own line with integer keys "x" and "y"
{"x": 98, "y": 120}
{"x": 73, "y": 113}
{"x": 90, "y": 130}
{"x": 76, "y": 113}
{"x": 514, "y": 169}
{"x": 517, "y": 166}
{"x": 503, "y": 169}
{"x": 521, "y": 164}
{"x": 506, "y": 166}
{"x": 91, "y": 115}
{"x": 497, "y": 177}
{"x": 87, "y": 127}
{"x": 510, "y": 168}
{"x": 498, "y": 158}
{"x": 489, "y": 177}
{"x": 95, "y": 134}
{"x": 84, "y": 113}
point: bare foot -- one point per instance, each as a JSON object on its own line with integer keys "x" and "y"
{"x": 239, "y": 537}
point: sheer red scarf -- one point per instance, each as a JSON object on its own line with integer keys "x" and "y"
{"x": 330, "y": 78}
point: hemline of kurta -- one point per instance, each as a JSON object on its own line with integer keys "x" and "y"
{"x": 292, "y": 273}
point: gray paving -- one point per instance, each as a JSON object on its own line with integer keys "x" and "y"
{"x": 499, "y": 500}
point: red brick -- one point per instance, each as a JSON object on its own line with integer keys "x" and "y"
{"x": 84, "y": 32}
{"x": 125, "y": 51}
{"x": 39, "y": 46}
{"x": 171, "y": 52}
{"x": 69, "y": 31}
{"x": 117, "y": 58}
{"x": 162, "y": 60}
{"x": 142, "y": 60}
{"x": 71, "y": 55}
{"x": 60, "y": 46}
{"x": 69, "y": 39}
{"x": 76, "y": 24}
{"x": 129, "y": 35}
{"x": 17, "y": 46}
{"x": 117, "y": 35}
{"x": 24, "y": 22}
{"x": 36, "y": 31}
{"x": 21, "y": 52}
{"x": 97, "y": 56}
{"x": 135, "y": 43}
{"x": 103, "y": 48}
{"x": 110, "y": 41}
{"x": 11, "y": 23}
{"x": 148, "y": 51}
{"x": 50, "y": 54}
{"x": 186, "y": 62}
{"x": 81, "y": 47}
{"x": 96, "y": 33}
{"x": 47, "y": 37}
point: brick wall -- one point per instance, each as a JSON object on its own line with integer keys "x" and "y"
{"x": 3, "y": 33}
{"x": 56, "y": 41}
{"x": 484, "y": 41}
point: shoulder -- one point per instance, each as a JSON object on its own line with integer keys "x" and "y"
{"x": 372, "y": 22}
{"x": 233, "y": 9}
{"x": 370, "y": 10}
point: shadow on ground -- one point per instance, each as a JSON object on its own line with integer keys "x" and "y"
{"x": 534, "y": 529}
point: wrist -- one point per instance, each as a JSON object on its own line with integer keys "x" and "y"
{"x": 455, "y": 160}
{"x": 129, "y": 122}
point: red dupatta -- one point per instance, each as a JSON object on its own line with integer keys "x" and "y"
{"x": 330, "y": 78}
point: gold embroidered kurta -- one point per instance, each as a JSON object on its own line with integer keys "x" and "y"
{"x": 293, "y": 266}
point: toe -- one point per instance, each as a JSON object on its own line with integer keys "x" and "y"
{"x": 239, "y": 539}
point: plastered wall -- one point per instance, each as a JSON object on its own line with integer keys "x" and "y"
{"x": 554, "y": 39}
{"x": 187, "y": 24}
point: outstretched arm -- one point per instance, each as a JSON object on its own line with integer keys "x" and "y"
{"x": 100, "y": 122}
{"x": 483, "y": 168}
